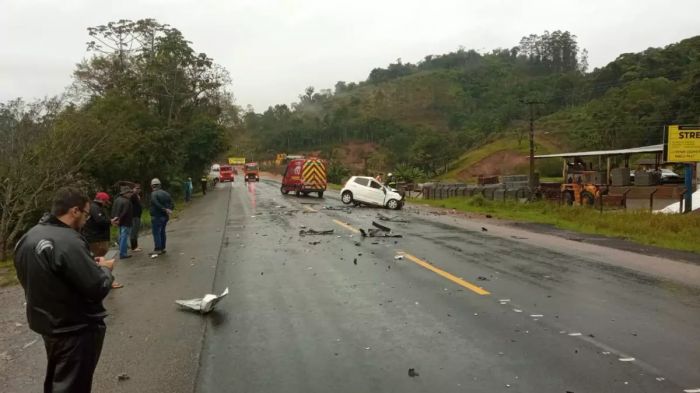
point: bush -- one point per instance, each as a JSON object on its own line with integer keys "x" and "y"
{"x": 337, "y": 172}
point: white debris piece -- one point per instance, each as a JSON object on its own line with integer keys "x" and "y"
{"x": 205, "y": 304}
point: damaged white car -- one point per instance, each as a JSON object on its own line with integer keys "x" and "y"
{"x": 366, "y": 190}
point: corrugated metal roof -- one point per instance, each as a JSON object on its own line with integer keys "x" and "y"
{"x": 633, "y": 150}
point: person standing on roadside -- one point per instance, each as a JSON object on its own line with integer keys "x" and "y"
{"x": 64, "y": 286}
{"x": 203, "y": 182}
{"x": 123, "y": 214}
{"x": 161, "y": 208}
{"x": 188, "y": 189}
{"x": 97, "y": 228}
{"x": 137, "y": 210}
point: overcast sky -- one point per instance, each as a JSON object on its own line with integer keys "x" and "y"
{"x": 275, "y": 49}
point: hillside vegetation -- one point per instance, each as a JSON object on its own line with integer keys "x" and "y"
{"x": 428, "y": 114}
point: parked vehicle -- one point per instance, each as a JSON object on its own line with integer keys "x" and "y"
{"x": 225, "y": 173}
{"x": 366, "y": 190}
{"x": 304, "y": 176}
{"x": 214, "y": 173}
{"x": 250, "y": 172}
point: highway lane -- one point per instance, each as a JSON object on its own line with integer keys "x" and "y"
{"x": 467, "y": 309}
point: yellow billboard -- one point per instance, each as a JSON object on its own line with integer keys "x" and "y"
{"x": 682, "y": 144}
{"x": 236, "y": 160}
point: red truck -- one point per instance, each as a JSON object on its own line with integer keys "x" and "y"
{"x": 250, "y": 172}
{"x": 225, "y": 173}
{"x": 304, "y": 176}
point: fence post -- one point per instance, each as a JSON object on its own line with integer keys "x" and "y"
{"x": 680, "y": 208}
{"x": 624, "y": 198}
{"x": 651, "y": 200}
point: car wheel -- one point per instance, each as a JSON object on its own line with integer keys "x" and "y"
{"x": 393, "y": 204}
{"x": 297, "y": 193}
{"x": 320, "y": 194}
{"x": 346, "y": 197}
{"x": 587, "y": 199}
{"x": 284, "y": 191}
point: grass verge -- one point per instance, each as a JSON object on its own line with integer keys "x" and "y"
{"x": 7, "y": 274}
{"x": 673, "y": 231}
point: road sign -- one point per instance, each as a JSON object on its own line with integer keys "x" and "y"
{"x": 236, "y": 160}
{"x": 682, "y": 144}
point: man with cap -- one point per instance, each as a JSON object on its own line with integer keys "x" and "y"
{"x": 123, "y": 213}
{"x": 161, "y": 208}
{"x": 97, "y": 228}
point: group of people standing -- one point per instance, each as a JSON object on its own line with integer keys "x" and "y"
{"x": 126, "y": 212}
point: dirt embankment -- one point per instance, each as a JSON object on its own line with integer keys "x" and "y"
{"x": 499, "y": 163}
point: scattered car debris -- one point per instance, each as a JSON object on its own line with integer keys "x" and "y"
{"x": 315, "y": 242}
{"x": 382, "y": 217}
{"x": 123, "y": 377}
{"x": 307, "y": 232}
{"x": 354, "y": 261}
{"x": 398, "y": 257}
{"x": 412, "y": 372}
{"x": 484, "y": 229}
{"x": 339, "y": 208}
{"x": 378, "y": 231}
{"x": 482, "y": 278}
{"x": 203, "y": 305}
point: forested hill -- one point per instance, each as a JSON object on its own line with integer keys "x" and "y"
{"x": 427, "y": 113}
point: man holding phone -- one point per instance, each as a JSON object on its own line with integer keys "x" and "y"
{"x": 64, "y": 287}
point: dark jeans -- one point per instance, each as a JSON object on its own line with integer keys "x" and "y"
{"x": 72, "y": 359}
{"x": 158, "y": 227}
{"x": 135, "y": 228}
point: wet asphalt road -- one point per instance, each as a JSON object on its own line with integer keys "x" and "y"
{"x": 469, "y": 310}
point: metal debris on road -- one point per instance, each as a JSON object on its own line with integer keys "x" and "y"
{"x": 339, "y": 208}
{"x": 378, "y": 231}
{"x": 306, "y": 232}
{"x": 391, "y": 219}
{"x": 203, "y": 305}
{"x": 412, "y": 372}
{"x": 123, "y": 377}
{"x": 482, "y": 278}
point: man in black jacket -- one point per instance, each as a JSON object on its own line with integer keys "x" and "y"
{"x": 123, "y": 213}
{"x": 137, "y": 208}
{"x": 64, "y": 287}
{"x": 97, "y": 227}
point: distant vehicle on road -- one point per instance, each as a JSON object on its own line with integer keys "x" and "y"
{"x": 667, "y": 176}
{"x": 304, "y": 176}
{"x": 225, "y": 173}
{"x": 366, "y": 190}
{"x": 250, "y": 172}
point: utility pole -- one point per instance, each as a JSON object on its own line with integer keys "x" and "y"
{"x": 531, "y": 178}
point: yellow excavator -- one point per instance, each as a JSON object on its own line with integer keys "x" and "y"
{"x": 577, "y": 190}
